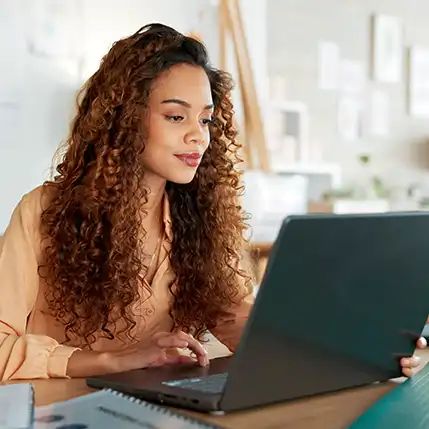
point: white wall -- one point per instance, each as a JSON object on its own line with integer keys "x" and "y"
{"x": 35, "y": 111}
{"x": 295, "y": 29}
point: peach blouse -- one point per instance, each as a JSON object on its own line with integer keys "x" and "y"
{"x": 31, "y": 339}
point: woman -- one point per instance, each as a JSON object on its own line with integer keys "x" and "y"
{"x": 133, "y": 251}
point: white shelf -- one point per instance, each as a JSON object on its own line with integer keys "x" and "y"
{"x": 309, "y": 168}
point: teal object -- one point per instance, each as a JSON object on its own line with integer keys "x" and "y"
{"x": 405, "y": 407}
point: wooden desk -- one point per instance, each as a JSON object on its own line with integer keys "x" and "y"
{"x": 329, "y": 411}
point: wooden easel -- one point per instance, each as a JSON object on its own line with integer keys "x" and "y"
{"x": 253, "y": 137}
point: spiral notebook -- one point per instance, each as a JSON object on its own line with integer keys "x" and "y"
{"x": 16, "y": 406}
{"x": 108, "y": 409}
{"x": 405, "y": 407}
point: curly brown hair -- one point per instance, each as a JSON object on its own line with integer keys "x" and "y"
{"x": 92, "y": 259}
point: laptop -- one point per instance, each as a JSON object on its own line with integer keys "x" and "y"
{"x": 342, "y": 300}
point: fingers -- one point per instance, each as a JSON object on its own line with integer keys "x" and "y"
{"x": 408, "y": 372}
{"x": 411, "y": 362}
{"x": 182, "y": 340}
{"x": 422, "y": 343}
{"x": 408, "y": 364}
{"x": 178, "y": 359}
{"x": 171, "y": 341}
{"x": 196, "y": 347}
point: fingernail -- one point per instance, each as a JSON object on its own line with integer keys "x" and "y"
{"x": 417, "y": 358}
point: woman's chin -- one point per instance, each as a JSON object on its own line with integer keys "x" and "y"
{"x": 182, "y": 178}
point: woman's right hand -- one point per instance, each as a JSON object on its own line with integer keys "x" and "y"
{"x": 157, "y": 351}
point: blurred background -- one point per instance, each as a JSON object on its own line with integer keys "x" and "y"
{"x": 332, "y": 96}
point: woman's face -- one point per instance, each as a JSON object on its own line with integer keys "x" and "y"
{"x": 180, "y": 108}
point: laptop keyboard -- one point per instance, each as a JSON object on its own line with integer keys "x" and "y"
{"x": 209, "y": 384}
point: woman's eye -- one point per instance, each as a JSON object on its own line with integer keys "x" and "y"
{"x": 174, "y": 118}
{"x": 206, "y": 121}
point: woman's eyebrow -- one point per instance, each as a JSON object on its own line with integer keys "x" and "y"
{"x": 185, "y": 103}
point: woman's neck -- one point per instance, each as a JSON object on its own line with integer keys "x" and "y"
{"x": 153, "y": 207}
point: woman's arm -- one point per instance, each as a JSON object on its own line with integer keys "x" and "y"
{"x": 229, "y": 330}
{"x": 28, "y": 356}
{"x": 24, "y": 356}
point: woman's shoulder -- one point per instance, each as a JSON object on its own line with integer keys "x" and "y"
{"x": 24, "y": 223}
{"x": 33, "y": 203}
{"x": 34, "y": 200}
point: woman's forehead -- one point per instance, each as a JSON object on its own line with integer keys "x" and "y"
{"x": 183, "y": 82}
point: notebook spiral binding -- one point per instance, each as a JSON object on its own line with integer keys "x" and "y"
{"x": 163, "y": 410}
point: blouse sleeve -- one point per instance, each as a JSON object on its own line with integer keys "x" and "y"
{"x": 22, "y": 355}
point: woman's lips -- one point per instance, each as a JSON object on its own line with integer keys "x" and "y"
{"x": 189, "y": 159}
